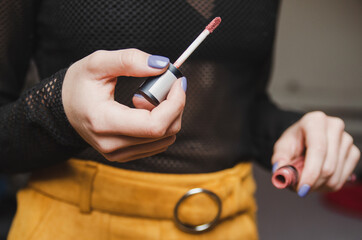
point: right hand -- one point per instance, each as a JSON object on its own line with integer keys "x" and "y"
{"x": 118, "y": 132}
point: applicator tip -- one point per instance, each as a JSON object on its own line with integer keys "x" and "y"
{"x": 213, "y": 24}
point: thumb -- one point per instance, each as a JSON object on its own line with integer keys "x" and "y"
{"x": 289, "y": 146}
{"x": 127, "y": 62}
{"x": 141, "y": 103}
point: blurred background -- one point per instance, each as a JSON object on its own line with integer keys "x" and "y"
{"x": 318, "y": 66}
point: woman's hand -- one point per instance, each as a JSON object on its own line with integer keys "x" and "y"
{"x": 118, "y": 132}
{"x": 330, "y": 155}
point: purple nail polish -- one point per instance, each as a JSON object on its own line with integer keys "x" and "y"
{"x": 184, "y": 83}
{"x": 138, "y": 95}
{"x": 275, "y": 167}
{"x": 303, "y": 191}
{"x": 156, "y": 61}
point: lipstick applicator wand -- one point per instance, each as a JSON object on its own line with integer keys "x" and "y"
{"x": 155, "y": 89}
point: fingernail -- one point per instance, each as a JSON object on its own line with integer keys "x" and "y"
{"x": 303, "y": 191}
{"x": 352, "y": 178}
{"x": 275, "y": 167}
{"x": 156, "y": 61}
{"x": 184, "y": 83}
{"x": 138, "y": 95}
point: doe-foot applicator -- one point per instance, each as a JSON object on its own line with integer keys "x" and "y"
{"x": 155, "y": 89}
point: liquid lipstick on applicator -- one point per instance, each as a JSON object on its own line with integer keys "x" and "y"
{"x": 288, "y": 176}
{"x": 155, "y": 89}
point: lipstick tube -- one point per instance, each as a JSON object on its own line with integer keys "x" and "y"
{"x": 155, "y": 89}
{"x": 288, "y": 176}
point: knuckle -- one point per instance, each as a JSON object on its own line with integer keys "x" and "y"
{"x": 327, "y": 171}
{"x": 175, "y": 129}
{"x": 99, "y": 53}
{"x": 109, "y": 157}
{"x": 311, "y": 177}
{"x": 162, "y": 150}
{"x": 332, "y": 183}
{"x": 96, "y": 122}
{"x": 316, "y": 114}
{"x": 312, "y": 117}
{"x": 337, "y": 187}
{"x": 171, "y": 141}
{"x": 128, "y": 59}
{"x": 105, "y": 147}
{"x": 157, "y": 130}
{"x": 321, "y": 149}
{"x": 180, "y": 105}
{"x": 319, "y": 115}
{"x": 117, "y": 156}
{"x": 72, "y": 68}
{"x": 96, "y": 127}
{"x": 133, "y": 50}
{"x": 94, "y": 59}
{"x": 356, "y": 152}
{"x": 178, "y": 128}
{"x": 278, "y": 144}
{"x": 337, "y": 123}
{"x": 348, "y": 138}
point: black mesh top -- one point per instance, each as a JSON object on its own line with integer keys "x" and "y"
{"x": 228, "y": 116}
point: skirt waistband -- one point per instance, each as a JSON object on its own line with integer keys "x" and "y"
{"x": 94, "y": 186}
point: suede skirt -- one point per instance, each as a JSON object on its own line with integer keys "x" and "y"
{"x": 87, "y": 200}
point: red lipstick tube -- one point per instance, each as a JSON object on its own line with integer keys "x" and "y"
{"x": 288, "y": 176}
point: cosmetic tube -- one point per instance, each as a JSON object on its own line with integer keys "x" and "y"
{"x": 288, "y": 176}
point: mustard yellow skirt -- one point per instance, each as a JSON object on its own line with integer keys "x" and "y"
{"x": 87, "y": 200}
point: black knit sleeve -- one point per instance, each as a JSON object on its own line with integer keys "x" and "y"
{"x": 268, "y": 120}
{"x": 34, "y": 130}
{"x": 269, "y": 123}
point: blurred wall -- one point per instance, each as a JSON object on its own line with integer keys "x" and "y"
{"x": 318, "y": 59}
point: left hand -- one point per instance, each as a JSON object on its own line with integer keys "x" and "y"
{"x": 330, "y": 155}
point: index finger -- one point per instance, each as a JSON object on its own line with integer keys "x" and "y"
{"x": 315, "y": 133}
{"x": 143, "y": 123}
{"x": 126, "y": 62}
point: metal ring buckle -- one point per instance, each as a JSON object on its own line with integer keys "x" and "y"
{"x": 197, "y": 228}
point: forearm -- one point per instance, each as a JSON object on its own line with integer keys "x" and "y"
{"x": 34, "y": 130}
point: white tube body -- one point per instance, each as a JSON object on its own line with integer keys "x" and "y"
{"x": 163, "y": 85}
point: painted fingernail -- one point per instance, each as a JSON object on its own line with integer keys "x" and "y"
{"x": 156, "y": 61}
{"x": 138, "y": 95}
{"x": 184, "y": 83}
{"x": 352, "y": 178}
{"x": 275, "y": 167}
{"x": 303, "y": 191}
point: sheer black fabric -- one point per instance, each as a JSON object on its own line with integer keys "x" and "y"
{"x": 228, "y": 116}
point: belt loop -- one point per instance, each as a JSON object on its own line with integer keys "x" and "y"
{"x": 86, "y": 187}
